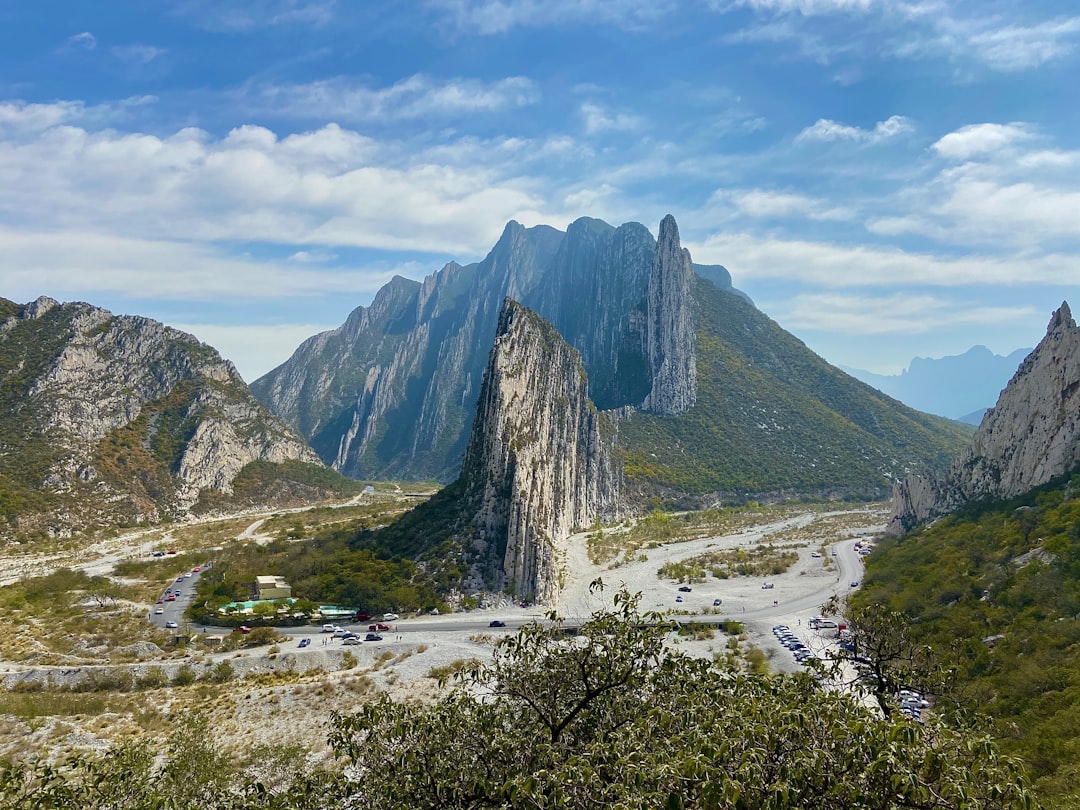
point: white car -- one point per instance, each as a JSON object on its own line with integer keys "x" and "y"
{"x": 328, "y": 628}
{"x": 159, "y": 611}
{"x": 390, "y": 617}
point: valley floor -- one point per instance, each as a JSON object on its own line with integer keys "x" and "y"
{"x": 284, "y": 694}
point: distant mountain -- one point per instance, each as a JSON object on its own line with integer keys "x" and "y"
{"x": 108, "y": 420}
{"x": 957, "y": 386}
{"x": 708, "y": 397}
{"x": 1030, "y": 437}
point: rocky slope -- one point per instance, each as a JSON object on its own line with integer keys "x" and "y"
{"x": 537, "y": 467}
{"x": 392, "y": 392}
{"x": 1031, "y": 436}
{"x": 111, "y": 419}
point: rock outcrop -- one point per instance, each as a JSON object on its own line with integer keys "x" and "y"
{"x": 124, "y": 415}
{"x": 669, "y": 332}
{"x": 1031, "y": 436}
{"x": 537, "y": 466}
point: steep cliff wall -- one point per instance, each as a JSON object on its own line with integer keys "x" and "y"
{"x": 1031, "y": 436}
{"x": 122, "y": 416}
{"x": 669, "y": 333}
{"x": 537, "y": 466}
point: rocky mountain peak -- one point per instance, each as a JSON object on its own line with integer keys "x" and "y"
{"x": 39, "y": 306}
{"x": 1031, "y": 436}
{"x": 536, "y": 467}
{"x": 670, "y": 334}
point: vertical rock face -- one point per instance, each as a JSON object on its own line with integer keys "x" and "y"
{"x": 537, "y": 467}
{"x": 1031, "y": 436}
{"x": 669, "y": 330}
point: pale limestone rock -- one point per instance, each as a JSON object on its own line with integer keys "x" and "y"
{"x": 537, "y": 465}
{"x": 670, "y": 326}
{"x": 1031, "y": 436}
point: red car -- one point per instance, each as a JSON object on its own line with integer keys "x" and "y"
{"x": 378, "y": 628}
{"x": 242, "y": 629}
{"x": 362, "y": 617}
{"x": 196, "y": 569}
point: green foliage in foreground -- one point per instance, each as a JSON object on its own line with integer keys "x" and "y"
{"x": 996, "y": 589}
{"x": 608, "y": 718}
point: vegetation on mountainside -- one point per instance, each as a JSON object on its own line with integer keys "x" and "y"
{"x": 611, "y": 718}
{"x": 26, "y": 450}
{"x": 771, "y": 416}
{"x": 997, "y": 587}
{"x": 737, "y": 562}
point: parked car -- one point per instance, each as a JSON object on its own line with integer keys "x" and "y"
{"x": 362, "y": 617}
{"x": 196, "y": 569}
{"x": 815, "y": 554}
{"x": 378, "y": 627}
{"x": 496, "y": 623}
{"x": 171, "y": 551}
{"x": 372, "y": 637}
{"x": 716, "y": 602}
{"x": 180, "y": 578}
{"x": 304, "y": 642}
{"x": 159, "y": 611}
{"x": 328, "y": 628}
{"x": 685, "y": 588}
{"x": 853, "y": 584}
{"x": 678, "y": 598}
{"x": 159, "y": 553}
{"x": 351, "y": 640}
{"x": 340, "y": 632}
{"x": 766, "y": 586}
{"x": 390, "y": 617}
{"x": 171, "y": 625}
{"x": 242, "y": 629}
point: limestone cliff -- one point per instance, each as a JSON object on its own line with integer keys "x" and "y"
{"x": 669, "y": 333}
{"x": 121, "y": 418}
{"x": 1031, "y": 436}
{"x": 537, "y": 466}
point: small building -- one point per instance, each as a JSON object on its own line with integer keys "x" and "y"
{"x": 270, "y": 587}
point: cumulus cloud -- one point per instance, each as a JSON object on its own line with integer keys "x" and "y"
{"x": 326, "y": 187}
{"x": 825, "y": 129}
{"x": 418, "y": 96}
{"x": 980, "y": 139}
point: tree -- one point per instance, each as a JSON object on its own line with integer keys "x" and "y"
{"x": 888, "y": 658}
{"x": 611, "y": 717}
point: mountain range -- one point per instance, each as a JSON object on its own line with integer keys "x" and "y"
{"x": 712, "y": 398}
{"x": 960, "y": 387}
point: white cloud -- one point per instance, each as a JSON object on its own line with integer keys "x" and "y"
{"x": 254, "y": 350}
{"x": 418, "y": 96}
{"x": 825, "y": 129}
{"x": 980, "y": 139}
{"x": 19, "y": 118}
{"x": 597, "y": 119}
{"x": 1015, "y": 47}
{"x": 312, "y": 256}
{"x": 805, "y": 7}
{"x": 751, "y": 256}
{"x": 137, "y": 54}
{"x": 897, "y": 314}
{"x": 246, "y": 15}
{"x": 328, "y": 187}
{"x": 778, "y": 204}
{"x": 83, "y": 40}
{"x": 498, "y": 16}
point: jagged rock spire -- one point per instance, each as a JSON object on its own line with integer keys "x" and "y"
{"x": 670, "y": 326}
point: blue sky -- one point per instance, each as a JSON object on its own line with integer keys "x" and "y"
{"x": 886, "y": 178}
